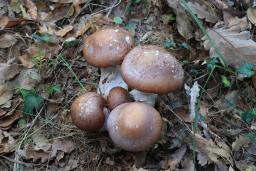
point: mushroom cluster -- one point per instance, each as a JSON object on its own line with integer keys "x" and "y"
{"x": 148, "y": 70}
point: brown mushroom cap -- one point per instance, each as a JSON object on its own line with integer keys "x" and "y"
{"x": 152, "y": 69}
{"x": 107, "y": 47}
{"x": 134, "y": 126}
{"x": 87, "y": 112}
{"x": 117, "y": 96}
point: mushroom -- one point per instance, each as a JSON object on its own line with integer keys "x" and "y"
{"x": 134, "y": 126}
{"x": 87, "y": 112}
{"x": 152, "y": 69}
{"x": 106, "y": 49}
{"x": 117, "y": 96}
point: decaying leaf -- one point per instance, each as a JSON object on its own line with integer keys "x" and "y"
{"x": 204, "y": 11}
{"x": 56, "y": 150}
{"x": 240, "y": 142}
{"x": 184, "y": 22}
{"x": 251, "y": 14}
{"x": 5, "y": 94}
{"x": 7, "y": 121}
{"x": 7, "y": 40}
{"x": 213, "y": 151}
{"x": 6, "y": 22}
{"x": 26, "y": 61}
{"x": 7, "y": 142}
{"x": 40, "y": 141}
{"x": 237, "y": 47}
{"x": 32, "y": 9}
{"x": 64, "y": 31}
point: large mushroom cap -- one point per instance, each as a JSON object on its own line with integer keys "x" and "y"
{"x": 134, "y": 126}
{"x": 87, "y": 112}
{"x": 152, "y": 69}
{"x": 107, "y": 47}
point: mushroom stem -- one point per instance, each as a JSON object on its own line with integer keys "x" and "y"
{"x": 110, "y": 78}
{"x": 139, "y": 96}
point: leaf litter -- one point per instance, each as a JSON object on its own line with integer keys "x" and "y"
{"x": 40, "y": 47}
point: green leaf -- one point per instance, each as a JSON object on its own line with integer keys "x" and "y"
{"x": 225, "y": 81}
{"x": 171, "y": 18}
{"x": 246, "y": 70}
{"x": 32, "y": 101}
{"x": 137, "y": 1}
{"x": 118, "y": 20}
{"x": 169, "y": 43}
{"x": 52, "y": 89}
{"x": 249, "y": 115}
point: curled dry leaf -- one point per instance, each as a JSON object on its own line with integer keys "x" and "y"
{"x": 7, "y": 142}
{"x": 6, "y": 22}
{"x": 237, "y": 47}
{"x": 7, "y": 40}
{"x": 7, "y": 121}
{"x": 5, "y": 94}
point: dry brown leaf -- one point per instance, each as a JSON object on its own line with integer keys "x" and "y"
{"x": 240, "y": 142}
{"x": 5, "y": 94}
{"x": 32, "y": 9}
{"x": 6, "y": 122}
{"x": 184, "y": 114}
{"x": 176, "y": 157}
{"x": 7, "y": 142}
{"x": 29, "y": 153}
{"x": 40, "y": 141}
{"x": 64, "y": 31}
{"x": 7, "y": 40}
{"x": 213, "y": 151}
{"x": 6, "y": 22}
{"x": 251, "y": 14}
{"x": 184, "y": 22}
{"x": 59, "y": 13}
{"x": 26, "y": 61}
{"x": 62, "y": 145}
{"x": 83, "y": 27}
{"x": 204, "y": 11}
{"x": 237, "y": 48}
{"x": 2, "y": 112}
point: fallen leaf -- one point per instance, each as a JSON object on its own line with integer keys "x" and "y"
{"x": 32, "y": 9}
{"x": 82, "y": 28}
{"x": 5, "y": 93}
{"x": 40, "y": 141}
{"x": 7, "y": 40}
{"x": 237, "y": 47}
{"x": 2, "y": 112}
{"x": 29, "y": 153}
{"x": 64, "y": 31}
{"x": 6, "y": 122}
{"x": 26, "y": 61}
{"x": 251, "y": 14}
{"x": 184, "y": 22}
{"x": 240, "y": 142}
{"x": 27, "y": 79}
{"x": 61, "y": 145}
{"x": 203, "y": 11}
{"x": 7, "y": 22}
{"x": 7, "y": 142}
{"x": 184, "y": 114}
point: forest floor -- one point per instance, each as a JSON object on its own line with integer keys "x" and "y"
{"x": 210, "y": 124}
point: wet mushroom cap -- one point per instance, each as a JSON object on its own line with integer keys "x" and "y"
{"x": 152, "y": 69}
{"x": 107, "y": 47}
{"x": 117, "y": 96}
{"x": 134, "y": 126}
{"x": 87, "y": 112}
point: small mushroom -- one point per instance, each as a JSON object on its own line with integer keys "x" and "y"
{"x": 152, "y": 69}
{"x": 106, "y": 49}
{"x": 117, "y": 96}
{"x": 87, "y": 112}
{"x": 134, "y": 126}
